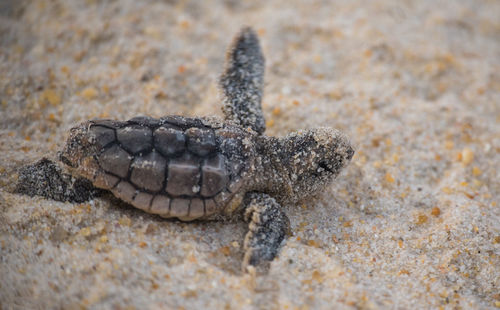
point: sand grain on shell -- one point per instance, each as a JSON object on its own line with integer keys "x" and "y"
{"x": 413, "y": 222}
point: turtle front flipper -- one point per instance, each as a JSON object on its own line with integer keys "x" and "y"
{"x": 268, "y": 226}
{"x": 243, "y": 80}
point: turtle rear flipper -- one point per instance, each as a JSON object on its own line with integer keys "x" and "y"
{"x": 45, "y": 178}
{"x": 243, "y": 80}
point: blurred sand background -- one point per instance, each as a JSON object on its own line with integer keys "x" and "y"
{"x": 413, "y": 222}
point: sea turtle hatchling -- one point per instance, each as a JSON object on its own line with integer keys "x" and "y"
{"x": 206, "y": 168}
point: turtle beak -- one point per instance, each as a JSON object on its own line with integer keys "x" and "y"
{"x": 350, "y": 153}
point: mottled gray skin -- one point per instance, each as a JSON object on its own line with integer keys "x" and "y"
{"x": 206, "y": 168}
{"x": 242, "y": 82}
{"x": 45, "y": 178}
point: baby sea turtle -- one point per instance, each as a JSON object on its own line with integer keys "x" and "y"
{"x": 207, "y": 168}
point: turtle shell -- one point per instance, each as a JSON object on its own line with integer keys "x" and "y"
{"x": 173, "y": 166}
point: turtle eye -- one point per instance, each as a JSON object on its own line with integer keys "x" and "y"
{"x": 324, "y": 165}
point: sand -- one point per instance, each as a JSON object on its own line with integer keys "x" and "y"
{"x": 413, "y": 222}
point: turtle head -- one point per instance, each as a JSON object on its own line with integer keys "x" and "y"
{"x": 331, "y": 151}
{"x": 313, "y": 158}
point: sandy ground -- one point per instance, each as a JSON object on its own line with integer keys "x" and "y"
{"x": 413, "y": 222}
